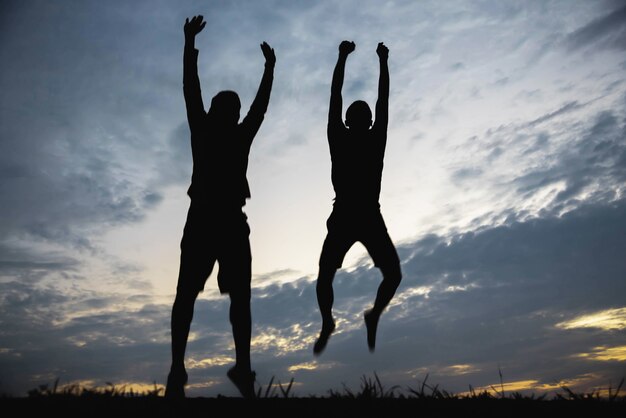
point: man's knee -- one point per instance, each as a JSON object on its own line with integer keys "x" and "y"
{"x": 239, "y": 311}
{"x": 191, "y": 278}
{"x": 240, "y": 295}
{"x": 187, "y": 292}
{"x": 326, "y": 275}
{"x": 393, "y": 275}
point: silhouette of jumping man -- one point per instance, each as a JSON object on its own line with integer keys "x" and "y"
{"x": 216, "y": 227}
{"x": 357, "y": 150}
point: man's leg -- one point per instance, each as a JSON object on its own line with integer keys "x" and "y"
{"x": 325, "y": 299}
{"x": 386, "y": 291}
{"x": 182, "y": 314}
{"x": 241, "y": 320}
{"x": 196, "y": 263}
{"x": 381, "y": 249}
{"x": 234, "y": 277}
{"x": 336, "y": 245}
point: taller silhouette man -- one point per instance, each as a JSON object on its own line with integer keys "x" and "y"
{"x": 216, "y": 227}
{"x": 357, "y": 150}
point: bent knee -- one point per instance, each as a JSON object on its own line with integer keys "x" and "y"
{"x": 393, "y": 275}
{"x": 240, "y": 295}
{"x": 189, "y": 287}
{"x": 326, "y": 276}
{"x": 186, "y": 293}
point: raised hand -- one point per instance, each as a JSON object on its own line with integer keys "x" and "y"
{"x": 382, "y": 51}
{"x": 268, "y": 53}
{"x": 346, "y": 47}
{"x": 194, "y": 26}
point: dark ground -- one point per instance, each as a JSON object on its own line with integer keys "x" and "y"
{"x": 309, "y": 407}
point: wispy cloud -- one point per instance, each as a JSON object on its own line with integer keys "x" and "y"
{"x": 608, "y": 31}
{"x": 192, "y": 363}
{"x": 605, "y": 354}
{"x": 609, "y": 319}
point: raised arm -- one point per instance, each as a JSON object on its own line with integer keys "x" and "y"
{"x": 254, "y": 118}
{"x": 191, "y": 82}
{"x": 382, "y": 104}
{"x": 335, "y": 109}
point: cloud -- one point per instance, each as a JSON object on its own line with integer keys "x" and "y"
{"x": 605, "y": 354}
{"x": 79, "y": 160}
{"x": 610, "y": 319}
{"x": 15, "y": 260}
{"x": 76, "y": 337}
{"x": 457, "y": 66}
{"x": 567, "y": 107}
{"x": 466, "y": 304}
{"x": 209, "y": 362}
{"x": 552, "y": 163}
{"x": 497, "y": 388}
{"x": 173, "y": 160}
{"x": 608, "y": 31}
{"x": 466, "y": 172}
{"x": 275, "y": 276}
{"x": 593, "y": 165}
{"x": 524, "y": 277}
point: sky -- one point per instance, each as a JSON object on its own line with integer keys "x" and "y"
{"x": 503, "y": 189}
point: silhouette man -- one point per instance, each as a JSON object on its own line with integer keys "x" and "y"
{"x": 216, "y": 227}
{"x": 357, "y": 150}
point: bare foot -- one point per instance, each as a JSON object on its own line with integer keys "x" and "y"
{"x": 176, "y": 381}
{"x": 371, "y": 323}
{"x": 322, "y": 340}
{"x": 244, "y": 380}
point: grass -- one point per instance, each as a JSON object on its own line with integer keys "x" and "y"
{"x": 372, "y": 398}
{"x": 77, "y": 391}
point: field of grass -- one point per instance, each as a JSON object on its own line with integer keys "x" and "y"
{"x": 276, "y": 399}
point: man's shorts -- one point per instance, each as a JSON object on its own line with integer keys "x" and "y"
{"x": 345, "y": 227}
{"x": 211, "y": 236}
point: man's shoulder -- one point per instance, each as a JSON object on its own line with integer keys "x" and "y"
{"x": 337, "y": 132}
{"x": 337, "y": 128}
{"x": 378, "y": 131}
{"x": 199, "y": 126}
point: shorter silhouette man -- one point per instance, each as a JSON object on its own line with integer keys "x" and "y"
{"x": 216, "y": 227}
{"x": 357, "y": 150}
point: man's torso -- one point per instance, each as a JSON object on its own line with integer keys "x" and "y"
{"x": 357, "y": 165}
{"x": 220, "y": 162}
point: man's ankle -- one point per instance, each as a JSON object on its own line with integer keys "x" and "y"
{"x": 177, "y": 367}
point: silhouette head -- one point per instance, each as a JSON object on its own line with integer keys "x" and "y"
{"x": 225, "y": 107}
{"x": 359, "y": 116}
